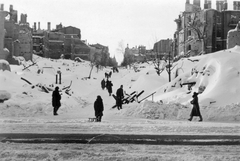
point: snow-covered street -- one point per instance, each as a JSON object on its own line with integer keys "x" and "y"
{"x": 121, "y": 152}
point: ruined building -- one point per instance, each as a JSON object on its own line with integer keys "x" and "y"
{"x": 201, "y": 31}
{"x": 18, "y": 37}
{"x": 4, "y": 53}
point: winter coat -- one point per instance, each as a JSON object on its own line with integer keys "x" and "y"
{"x": 120, "y": 96}
{"x": 56, "y": 97}
{"x": 103, "y": 84}
{"x": 109, "y": 86}
{"x": 98, "y": 107}
{"x": 195, "y": 109}
{"x": 119, "y": 93}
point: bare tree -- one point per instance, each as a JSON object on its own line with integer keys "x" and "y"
{"x": 121, "y": 47}
{"x": 198, "y": 26}
{"x": 128, "y": 58}
{"x": 158, "y": 62}
{"x": 169, "y": 66}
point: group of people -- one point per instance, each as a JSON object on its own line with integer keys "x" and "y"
{"x": 108, "y": 85}
{"x": 99, "y": 107}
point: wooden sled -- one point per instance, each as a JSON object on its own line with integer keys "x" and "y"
{"x": 92, "y": 119}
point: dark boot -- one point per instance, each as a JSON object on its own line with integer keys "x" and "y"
{"x": 201, "y": 119}
{"x": 55, "y": 111}
{"x": 190, "y": 119}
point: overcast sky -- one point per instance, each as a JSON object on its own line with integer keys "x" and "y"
{"x": 108, "y": 22}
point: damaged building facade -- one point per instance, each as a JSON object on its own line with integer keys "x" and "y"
{"x": 18, "y": 39}
{"x": 17, "y": 36}
{"x": 202, "y": 31}
{"x": 60, "y": 42}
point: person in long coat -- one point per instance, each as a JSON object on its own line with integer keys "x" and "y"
{"x": 195, "y": 110}
{"x": 56, "y": 97}
{"x": 109, "y": 87}
{"x": 103, "y": 84}
{"x": 120, "y": 96}
{"x": 98, "y": 108}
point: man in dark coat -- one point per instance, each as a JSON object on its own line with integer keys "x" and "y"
{"x": 195, "y": 110}
{"x": 56, "y": 97}
{"x": 98, "y": 108}
{"x": 103, "y": 84}
{"x": 120, "y": 96}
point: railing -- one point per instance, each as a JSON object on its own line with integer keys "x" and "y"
{"x": 152, "y": 94}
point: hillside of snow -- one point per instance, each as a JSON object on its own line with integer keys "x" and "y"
{"x": 215, "y": 76}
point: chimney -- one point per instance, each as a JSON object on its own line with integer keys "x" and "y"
{"x": 197, "y": 3}
{"x": 49, "y": 26}
{"x": 219, "y": 5}
{"x": 25, "y": 18}
{"x": 35, "y": 26}
{"x": 2, "y": 7}
{"x": 208, "y": 4}
{"x": 38, "y": 25}
{"x": 11, "y": 8}
{"x": 225, "y": 5}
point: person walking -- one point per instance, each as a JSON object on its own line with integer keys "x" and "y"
{"x": 109, "y": 87}
{"x": 119, "y": 95}
{"x": 98, "y": 108}
{"x": 56, "y": 97}
{"x": 103, "y": 83}
{"x": 195, "y": 110}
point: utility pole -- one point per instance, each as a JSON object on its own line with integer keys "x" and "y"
{"x": 169, "y": 65}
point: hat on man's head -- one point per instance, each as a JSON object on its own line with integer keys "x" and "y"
{"x": 195, "y": 93}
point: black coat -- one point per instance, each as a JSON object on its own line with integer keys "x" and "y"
{"x": 103, "y": 84}
{"x": 195, "y": 109}
{"x": 56, "y": 97}
{"x": 109, "y": 86}
{"x": 119, "y": 93}
{"x": 98, "y": 107}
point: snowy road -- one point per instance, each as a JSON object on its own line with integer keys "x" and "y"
{"x": 119, "y": 152}
{"x": 118, "y": 126}
{"x": 121, "y": 139}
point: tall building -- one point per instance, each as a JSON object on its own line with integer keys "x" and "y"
{"x": 214, "y": 25}
{"x": 197, "y": 3}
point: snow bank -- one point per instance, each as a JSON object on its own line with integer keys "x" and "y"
{"x": 215, "y": 76}
{"x": 176, "y": 111}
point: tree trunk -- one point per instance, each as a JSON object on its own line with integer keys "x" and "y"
{"x": 90, "y": 72}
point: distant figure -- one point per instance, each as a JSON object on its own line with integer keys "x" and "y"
{"x": 106, "y": 75}
{"x": 195, "y": 109}
{"x": 103, "y": 84}
{"x": 110, "y": 74}
{"x": 98, "y": 108}
{"x": 119, "y": 95}
{"x": 109, "y": 87}
{"x": 56, "y": 97}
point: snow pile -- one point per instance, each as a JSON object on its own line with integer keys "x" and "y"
{"x": 4, "y": 95}
{"x": 216, "y": 77}
{"x": 176, "y": 111}
{"x": 153, "y": 110}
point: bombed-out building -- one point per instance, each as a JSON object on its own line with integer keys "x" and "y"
{"x": 202, "y": 31}
{"x": 17, "y": 38}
